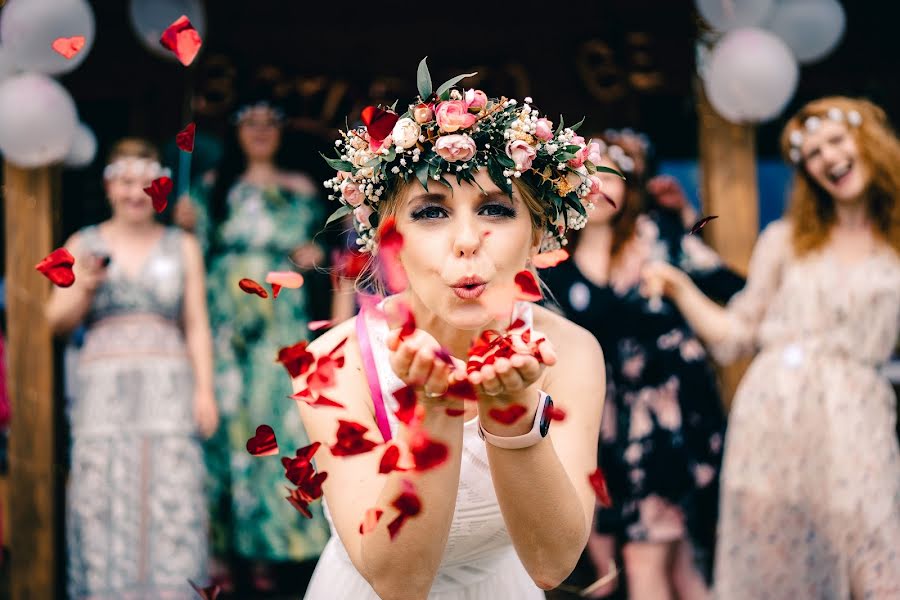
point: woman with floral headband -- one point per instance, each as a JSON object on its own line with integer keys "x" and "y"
{"x": 255, "y": 217}
{"x": 443, "y": 476}
{"x": 136, "y": 519}
{"x": 663, "y": 424}
{"x": 811, "y": 477}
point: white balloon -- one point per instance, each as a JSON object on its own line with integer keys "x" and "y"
{"x": 150, "y": 18}
{"x": 37, "y": 120}
{"x": 29, "y": 28}
{"x": 84, "y": 148}
{"x": 751, "y": 75}
{"x": 725, "y": 15}
{"x": 812, "y": 28}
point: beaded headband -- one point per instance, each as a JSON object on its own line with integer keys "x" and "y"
{"x": 453, "y": 132}
{"x": 135, "y": 167}
{"x": 244, "y": 111}
{"x": 813, "y": 123}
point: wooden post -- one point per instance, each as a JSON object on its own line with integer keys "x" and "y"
{"x": 729, "y": 190}
{"x": 34, "y": 480}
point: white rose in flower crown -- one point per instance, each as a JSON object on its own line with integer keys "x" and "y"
{"x": 361, "y": 157}
{"x": 455, "y": 148}
{"x": 406, "y": 133}
{"x": 522, "y": 153}
{"x": 351, "y": 193}
{"x": 362, "y": 214}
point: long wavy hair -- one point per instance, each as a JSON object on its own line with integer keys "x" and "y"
{"x": 623, "y": 222}
{"x": 811, "y": 209}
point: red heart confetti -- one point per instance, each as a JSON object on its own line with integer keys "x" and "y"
{"x": 263, "y": 443}
{"x": 309, "y": 490}
{"x": 426, "y": 452}
{"x": 406, "y": 404}
{"x": 251, "y": 287}
{"x": 702, "y": 223}
{"x": 296, "y": 359}
{"x": 185, "y": 138}
{"x": 350, "y": 440}
{"x": 68, "y": 46}
{"x": 555, "y": 414}
{"x": 462, "y": 388}
{"x": 317, "y": 401}
{"x": 183, "y": 40}
{"x": 299, "y": 468}
{"x": 552, "y": 258}
{"x": 379, "y": 123}
{"x": 57, "y": 267}
{"x": 408, "y": 503}
{"x": 598, "y": 482}
{"x": 455, "y": 412}
{"x": 322, "y": 377}
{"x": 159, "y": 191}
{"x": 400, "y": 312}
{"x": 389, "y": 460}
{"x": 528, "y": 288}
{"x": 390, "y": 241}
{"x": 210, "y": 592}
{"x": 370, "y": 520}
{"x": 317, "y": 325}
{"x": 508, "y": 415}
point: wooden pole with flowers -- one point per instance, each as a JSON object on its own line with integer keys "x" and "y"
{"x": 30, "y": 207}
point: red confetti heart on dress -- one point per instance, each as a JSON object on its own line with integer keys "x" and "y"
{"x": 185, "y": 138}
{"x": 598, "y": 482}
{"x": 182, "y": 39}
{"x": 702, "y": 223}
{"x": 370, "y": 520}
{"x": 280, "y": 279}
{"x": 552, "y": 258}
{"x": 57, "y": 267}
{"x": 408, "y": 503}
{"x": 251, "y": 287}
{"x": 68, "y": 46}
{"x": 379, "y": 123}
{"x": 207, "y": 593}
{"x": 426, "y": 452}
{"x": 528, "y": 288}
{"x": 263, "y": 443}
{"x": 159, "y": 191}
{"x": 350, "y": 440}
{"x": 296, "y": 359}
{"x": 508, "y": 415}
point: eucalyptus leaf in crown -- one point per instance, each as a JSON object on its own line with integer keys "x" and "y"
{"x": 454, "y": 132}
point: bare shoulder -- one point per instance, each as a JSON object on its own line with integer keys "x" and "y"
{"x": 566, "y": 337}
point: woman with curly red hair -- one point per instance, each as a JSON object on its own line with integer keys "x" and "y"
{"x": 810, "y": 504}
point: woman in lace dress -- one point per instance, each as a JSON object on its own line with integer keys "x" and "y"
{"x": 487, "y": 505}
{"x": 136, "y": 522}
{"x": 810, "y": 504}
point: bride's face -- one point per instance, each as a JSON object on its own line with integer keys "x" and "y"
{"x": 463, "y": 246}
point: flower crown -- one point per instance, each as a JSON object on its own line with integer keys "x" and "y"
{"x": 135, "y": 167}
{"x": 813, "y": 123}
{"x": 456, "y": 132}
{"x": 244, "y": 111}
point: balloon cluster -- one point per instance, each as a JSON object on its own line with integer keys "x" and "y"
{"x": 751, "y": 72}
{"x": 39, "y": 122}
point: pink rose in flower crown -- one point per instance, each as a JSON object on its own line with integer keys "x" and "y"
{"x": 594, "y": 153}
{"x": 362, "y": 214}
{"x": 580, "y": 155}
{"x": 522, "y": 153}
{"x": 351, "y": 193}
{"x": 543, "y": 129}
{"x": 423, "y": 113}
{"x": 452, "y": 115}
{"x": 455, "y": 148}
{"x": 476, "y": 100}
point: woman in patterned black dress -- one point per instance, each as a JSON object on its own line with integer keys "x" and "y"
{"x": 662, "y": 429}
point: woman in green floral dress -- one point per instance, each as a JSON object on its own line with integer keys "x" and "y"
{"x": 256, "y": 218}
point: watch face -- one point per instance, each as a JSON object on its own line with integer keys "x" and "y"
{"x": 545, "y": 417}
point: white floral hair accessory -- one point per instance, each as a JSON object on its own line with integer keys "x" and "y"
{"x": 616, "y": 154}
{"x": 451, "y": 132}
{"x": 813, "y": 123}
{"x": 244, "y": 111}
{"x": 135, "y": 167}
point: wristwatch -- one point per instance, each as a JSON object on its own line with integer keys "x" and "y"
{"x": 538, "y": 430}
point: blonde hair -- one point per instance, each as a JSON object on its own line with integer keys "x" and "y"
{"x": 133, "y": 147}
{"x": 390, "y": 203}
{"x": 811, "y": 209}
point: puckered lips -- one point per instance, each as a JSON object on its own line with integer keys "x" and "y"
{"x": 469, "y": 287}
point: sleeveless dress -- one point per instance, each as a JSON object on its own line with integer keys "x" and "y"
{"x": 136, "y": 524}
{"x": 810, "y": 504}
{"x": 479, "y": 560}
